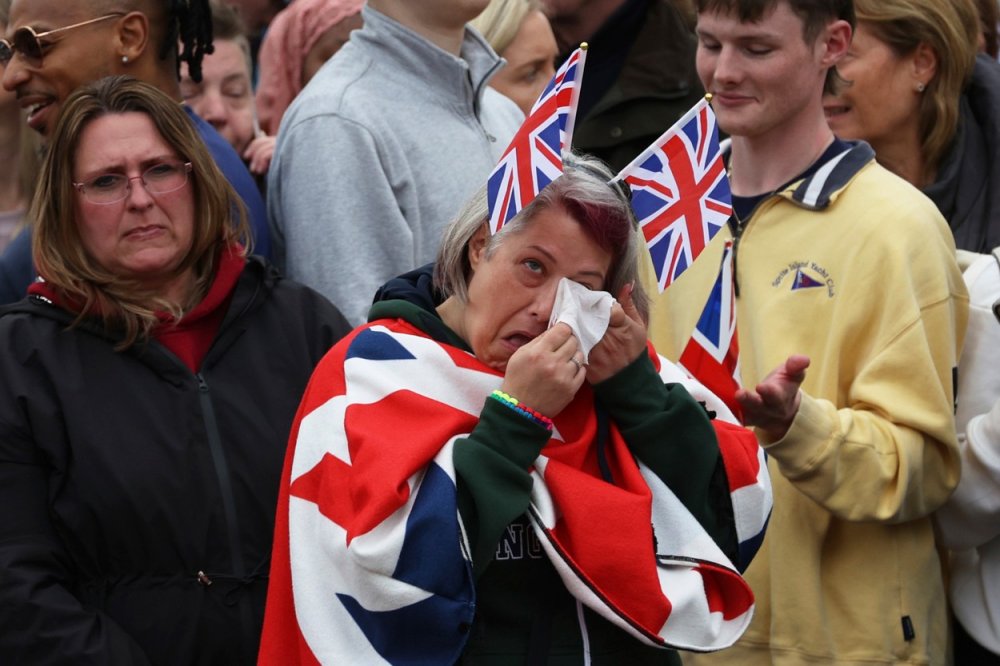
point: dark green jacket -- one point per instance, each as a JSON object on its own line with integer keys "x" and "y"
{"x": 656, "y": 85}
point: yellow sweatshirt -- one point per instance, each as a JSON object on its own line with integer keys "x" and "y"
{"x": 856, "y": 269}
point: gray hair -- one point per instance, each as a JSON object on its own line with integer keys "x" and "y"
{"x": 583, "y": 191}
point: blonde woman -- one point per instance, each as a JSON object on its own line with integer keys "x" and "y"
{"x": 520, "y": 33}
{"x": 929, "y": 106}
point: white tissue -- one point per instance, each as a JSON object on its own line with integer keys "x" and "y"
{"x": 586, "y": 312}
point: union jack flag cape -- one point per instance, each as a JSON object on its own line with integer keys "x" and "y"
{"x": 371, "y": 562}
{"x": 680, "y": 192}
{"x": 712, "y": 354}
{"x": 534, "y": 157}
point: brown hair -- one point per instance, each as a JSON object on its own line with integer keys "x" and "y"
{"x": 220, "y": 218}
{"x": 815, "y": 15}
{"x": 950, "y": 28}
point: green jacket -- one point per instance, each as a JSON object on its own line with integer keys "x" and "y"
{"x": 657, "y": 85}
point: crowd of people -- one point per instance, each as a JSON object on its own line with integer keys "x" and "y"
{"x": 273, "y": 389}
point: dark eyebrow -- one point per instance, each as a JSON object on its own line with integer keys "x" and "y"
{"x": 118, "y": 167}
{"x": 744, "y": 38}
{"x": 597, "y": 274}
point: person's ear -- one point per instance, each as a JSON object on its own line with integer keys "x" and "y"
{"x": 835, "y": 40}
{"x": 131, "y": 36}
{"x": 477, "y": 246}
{"x": 924, "y": 63}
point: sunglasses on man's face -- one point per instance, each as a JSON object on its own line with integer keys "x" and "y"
{"x": 29, "y": 44}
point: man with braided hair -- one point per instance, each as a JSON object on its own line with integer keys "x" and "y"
{"x": 87, "y": 40}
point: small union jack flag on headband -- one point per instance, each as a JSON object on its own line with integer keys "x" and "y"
{"x": 534, "y": 157}
{"x": 712, "y": 355}
{"x": 680, "y": 192}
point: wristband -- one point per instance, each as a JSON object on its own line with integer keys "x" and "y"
{"x": 522, "y": 409}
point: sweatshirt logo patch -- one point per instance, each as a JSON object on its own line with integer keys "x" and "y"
{"x": 804, "y": 275}
{"x": 805, "y": 281}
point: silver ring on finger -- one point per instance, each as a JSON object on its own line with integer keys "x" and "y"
{"x": 579, "y": 366}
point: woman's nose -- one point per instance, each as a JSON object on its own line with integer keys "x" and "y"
{"x": 137, "y": 195}
{"x": 545, "y": 298}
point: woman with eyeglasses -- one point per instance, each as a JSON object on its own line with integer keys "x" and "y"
{"x": 51, "y": 47}
{"x": 147, "y": 389}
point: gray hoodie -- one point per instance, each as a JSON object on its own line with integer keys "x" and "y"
{"x": 378, "y": 153}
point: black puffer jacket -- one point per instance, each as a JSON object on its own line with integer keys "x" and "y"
{"x": 137, "y": 499}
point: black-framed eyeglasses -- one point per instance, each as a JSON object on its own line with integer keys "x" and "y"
{"x": 110, "y": 188}
{"x": 29, "y": 44}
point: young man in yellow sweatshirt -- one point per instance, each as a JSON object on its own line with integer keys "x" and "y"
{"x": 851, "y": 312}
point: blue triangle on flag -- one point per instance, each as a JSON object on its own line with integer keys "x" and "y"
{"x": 398, "y": 635}
{"x": 721, "y": 191}
{"x": 377, "y": 346}
{"x": 690, "y": 128}
{"x": 645, "y": 204}
{"x": 425, "y": 560}
{"x": 710, "y": 322}
{"x": 658, "y": 253}
{"x": 550, "y": 135}
{"x": 804, "y": 281}
{"x": 493, "y": 187}
{"x": 542, "y": 179}
{"x": 681, "y": 264}
{"x": 653, "y": 163}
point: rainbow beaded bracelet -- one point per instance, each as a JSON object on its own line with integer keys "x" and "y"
{"x": 522, "y": 409}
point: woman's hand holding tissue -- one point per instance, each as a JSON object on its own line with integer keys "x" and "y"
{"x": 623, "y": 343}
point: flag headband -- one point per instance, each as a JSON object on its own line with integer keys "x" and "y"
{"x": 618, "y": 186}
{"x": 677, "y": 187}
